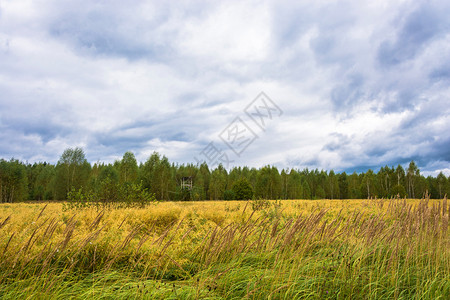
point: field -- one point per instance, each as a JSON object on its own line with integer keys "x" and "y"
{"x": 291, "y": 249}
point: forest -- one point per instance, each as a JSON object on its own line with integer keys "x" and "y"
{"x": 21, "y": 181}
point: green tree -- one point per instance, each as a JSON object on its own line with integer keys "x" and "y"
{"x": 202, "y": 180}
{"x": 229, "y": 195}
{"x": 109, "y": 187}
{"x": 441, "y": 184}
{"x": 320, "y": 193}
{"x": 164, "y": 179}
{"x": 42, "y": 188}
{"x": 398, "y": 190}
{"x": 148, "y": 172}
{"x": 333, "y": 185}
{"x": 367, "y": 186}
{"x": 233, "y": 176}
{"x": 284, "y": 183}
{"x": 218, "y": 182}
{"x": 159, "y": 176}
{"x": 72, "y": 172}
{"x": 400, "y": 175}
{"x": 13, "y": 181}
{"x": 353, "y": 186}
{"x": 269, "y": 184}
{"x": 242, "y": 189}
{"x": 399, "y": 187}
{"x": 384, "y": 181}
{"x": 294, "y": 189}
{"x": 411, "y": 175}
{"x": 421, "y": 186}
{"x": 343, "y": 185}
{"x": 128, "y": 168}
{"x": 306, "y": 190}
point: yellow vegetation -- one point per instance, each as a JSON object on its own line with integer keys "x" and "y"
{"x": 187, "y": 240}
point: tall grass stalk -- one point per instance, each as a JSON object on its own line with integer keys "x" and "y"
{"x": 395, "y": 251}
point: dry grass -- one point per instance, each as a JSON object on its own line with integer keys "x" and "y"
{"x": 367, "y": 249}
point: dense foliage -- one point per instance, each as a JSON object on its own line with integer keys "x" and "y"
{"x": 242, "y": 190}
{"x": 43, "y": 181}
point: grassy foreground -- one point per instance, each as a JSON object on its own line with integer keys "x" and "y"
{"x": 326, "y": 249}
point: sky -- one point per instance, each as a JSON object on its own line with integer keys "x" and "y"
{"x": 343, "y": 85}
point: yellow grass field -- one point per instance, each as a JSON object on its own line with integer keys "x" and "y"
{"x": 288, "y": 249}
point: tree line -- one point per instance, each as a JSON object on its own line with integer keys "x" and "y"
{"x": 21, "y": 181}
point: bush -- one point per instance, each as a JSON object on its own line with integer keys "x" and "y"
{"x": 398, "y": 190}
{"x": 260, "y": 204}
{"x": 229, "y": 195}
{"x": 242, "y": 190}
{"x": 111, "y": 195}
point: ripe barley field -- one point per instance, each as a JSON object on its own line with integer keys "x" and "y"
{"x": 288, "y": 249}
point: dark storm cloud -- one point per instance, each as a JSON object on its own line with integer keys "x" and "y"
{"x": 420, "y": 27}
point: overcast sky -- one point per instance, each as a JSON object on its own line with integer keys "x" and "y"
{"x": 351, "y": 85}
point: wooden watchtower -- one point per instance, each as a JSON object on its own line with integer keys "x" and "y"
{"x": 186, "y": 183}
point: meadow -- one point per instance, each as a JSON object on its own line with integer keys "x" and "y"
{"x": 288, "y": 249}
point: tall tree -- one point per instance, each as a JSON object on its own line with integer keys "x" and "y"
{"x": 284, "y": 184}
{"x": 343, "y": 185}
{"x": 203, "y": 180}
{"x": 72, "y": 171}
{"x": 269, "y": 184}
{"x": 306, "y": 190}
{"x": 218, "y": 183}
{"x": 412, "y": 173}
{"x": 148, "y": 173}
{"x": 164, "y": 178}
{"x": 13, "y": 181}
{"x": 128, "y": 168}
{"x": 400, "y": 174}
{"x": 41, "y": 187}
{"x": 294, "y": 185}
{"x": 367, "y": 184}
{"x": 441, "y": 183}
{"x": 333, "y": 185}
{"x": 384, "y": 181}
{"x": 398, "y": 188}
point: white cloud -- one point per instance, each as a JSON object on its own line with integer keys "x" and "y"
{"x": 231, "y": 32}
{"x": 360, "y": 84}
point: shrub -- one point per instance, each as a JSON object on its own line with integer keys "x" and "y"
{"x": 242, "y": 190}
{"x": 111, "y": 195}
{"x": 260, "y": 204}
{"x": 229, "y": 195}
{"x": 398, "y": 190}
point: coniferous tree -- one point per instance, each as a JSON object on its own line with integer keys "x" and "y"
{"x": 306, "y": 190}
{"x": 354, "y": 186}
{"x": 294, "y": 185}
{"x": 343, "y": 185}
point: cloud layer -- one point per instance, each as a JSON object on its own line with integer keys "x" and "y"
{"x": 361, "y": 84}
